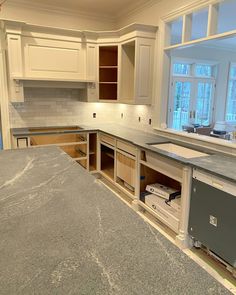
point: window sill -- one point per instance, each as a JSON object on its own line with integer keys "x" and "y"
{"x": 227, "y": 146}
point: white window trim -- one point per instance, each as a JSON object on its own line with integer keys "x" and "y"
{"x": 190, "y": 78}
{"x": 227, "y": 92}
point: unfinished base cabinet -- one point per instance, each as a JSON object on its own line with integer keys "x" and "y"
{"x": 118, "y": 163}
{"x": 80, "y": 146}
{"x": 154, "y": 168}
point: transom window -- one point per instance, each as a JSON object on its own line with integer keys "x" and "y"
{"x": 230, "y": 115}
{"x": 191, "y": 94}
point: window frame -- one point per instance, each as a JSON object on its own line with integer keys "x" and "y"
{"x": 192, "y": 78}
{"x": 227, "y": 93}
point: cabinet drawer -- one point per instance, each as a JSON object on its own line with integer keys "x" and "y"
{"x": 107, "y": 139}
{"x": 126, "y": 169}
{"x": 165, "y": 166}
{"x": 126, "y": 147}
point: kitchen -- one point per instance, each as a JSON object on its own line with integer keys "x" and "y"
{"x": 93, "y": 90}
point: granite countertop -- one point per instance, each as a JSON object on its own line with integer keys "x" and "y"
{"x": 216, "y": 163}
{"x": 64, "y": 233}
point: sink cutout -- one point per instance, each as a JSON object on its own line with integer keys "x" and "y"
{"x": 179, "y": 150}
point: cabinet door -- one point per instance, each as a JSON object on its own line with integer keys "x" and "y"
{"x": 15, "y": 67}
{"x": 212, "y": 220}
{"x": 45, "y": 58}
{"x": 91, "y": 72}
{"x": 144, "y": 70}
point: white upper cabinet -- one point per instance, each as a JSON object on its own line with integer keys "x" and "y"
{"x": 136, "y": 71}
{"x": 45, "y": 58}
{"x": 50, "y": 57}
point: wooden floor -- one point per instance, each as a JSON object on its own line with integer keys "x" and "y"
{"x": 211, "y": 265}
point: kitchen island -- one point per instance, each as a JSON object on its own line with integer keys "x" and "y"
{"x": 64, "y": 233}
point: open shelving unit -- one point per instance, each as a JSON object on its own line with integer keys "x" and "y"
{"x": 108, "y": 72}
{"x": 74, "y": 144}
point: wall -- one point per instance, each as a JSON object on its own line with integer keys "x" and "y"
{"x": 50, "y": 107}
{"x": 40, "y": 15}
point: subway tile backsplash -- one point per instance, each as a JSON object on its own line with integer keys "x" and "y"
{"x": 49, "y": 106}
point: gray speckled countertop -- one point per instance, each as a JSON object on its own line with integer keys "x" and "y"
{"x": 217, "y": 164}
{"x": 64, "y": 233}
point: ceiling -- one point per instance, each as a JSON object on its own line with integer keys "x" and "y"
{"x": 106, "y": 8}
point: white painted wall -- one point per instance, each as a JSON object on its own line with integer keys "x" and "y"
{"x": 57, "y": 17}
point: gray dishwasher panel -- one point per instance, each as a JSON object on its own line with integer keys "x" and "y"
{"x": 212, "y": 220}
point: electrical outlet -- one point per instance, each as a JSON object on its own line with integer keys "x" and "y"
{"x": 213, "y": 220}
{"x": 94, "y": 115}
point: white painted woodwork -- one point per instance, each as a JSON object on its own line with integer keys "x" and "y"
{"x": 144, "y": 78}
{"x": 187, "y": 28}
{"x": 4, "y": 105}
{"x": 212, "y": 19}
{"x": 53, "y": 59}
{"x": 183, "y": 240}
{"x": 37, "y": 53}
{"x": 136, "y": 71}
{"x": 15, "y": 67}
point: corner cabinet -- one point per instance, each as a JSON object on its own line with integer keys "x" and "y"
{"x": 136, "y": 71}
{"x": 129, "y": 77}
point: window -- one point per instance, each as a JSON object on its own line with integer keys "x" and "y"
{"x": 231, "y": 96}
{"x": 191, "y": 94}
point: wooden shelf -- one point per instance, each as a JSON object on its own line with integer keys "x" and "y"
{"x": 108, "y": 82}
{"x": 108, "y": 67}
{"x": 108, "y": 72}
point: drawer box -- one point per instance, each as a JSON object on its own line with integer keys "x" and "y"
{"x": 107, "y": 139}
{"x": 165, "y": 166}
{"x": 167, "y": 214}
{"x": 126, "y": 147}
{"x": 126, "y": 169}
